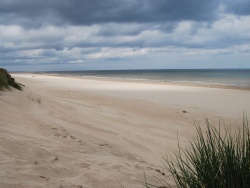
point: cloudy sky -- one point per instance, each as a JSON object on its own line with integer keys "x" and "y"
{"x": 40, "y": 35}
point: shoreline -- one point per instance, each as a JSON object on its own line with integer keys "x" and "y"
{"x": 125, "y": 80}
{"x": 148, "y": 91}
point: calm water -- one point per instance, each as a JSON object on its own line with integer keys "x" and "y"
{"x": 231, "y": 77}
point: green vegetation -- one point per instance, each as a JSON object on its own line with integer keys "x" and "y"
{"x": 212, "y": 159}
{"x": 6, "y": 81}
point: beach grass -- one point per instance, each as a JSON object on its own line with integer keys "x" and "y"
{"x": 215, "y": 158}
{"x": 6, "y": 81}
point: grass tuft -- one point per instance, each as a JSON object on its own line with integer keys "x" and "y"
{"x": 212, "y": 159}
{"x": 6, "y": 81}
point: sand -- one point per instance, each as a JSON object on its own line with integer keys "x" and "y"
{"x": 71, "y": 132}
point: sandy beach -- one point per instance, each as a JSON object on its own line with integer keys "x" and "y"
{"x": 72, "y": 132}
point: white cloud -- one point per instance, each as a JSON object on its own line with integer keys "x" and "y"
{"x": 228, "y": 36}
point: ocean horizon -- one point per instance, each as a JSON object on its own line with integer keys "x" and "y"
{"x": 227, "y": 77}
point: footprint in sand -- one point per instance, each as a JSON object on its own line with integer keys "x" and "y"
{"x": 63, "y": 133}
{"x": 82, "y": 165}
{"x": 46, "y": 178}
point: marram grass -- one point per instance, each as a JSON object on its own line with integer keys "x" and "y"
{"x": 6, "y": 81}
{"x": 212, "y": 159}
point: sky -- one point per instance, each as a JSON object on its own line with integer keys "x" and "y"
{"x": 51, "y": 35}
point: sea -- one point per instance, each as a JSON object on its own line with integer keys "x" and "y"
{"x": 224, "y": 77}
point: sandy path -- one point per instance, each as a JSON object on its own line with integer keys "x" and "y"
{"x": 75, "y": 132}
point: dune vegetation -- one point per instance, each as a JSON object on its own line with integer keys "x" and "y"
{"x": 217, "y": 158}
{"x": 6, "y": 81}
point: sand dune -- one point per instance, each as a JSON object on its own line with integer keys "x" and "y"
{"x": 69, "y": 132}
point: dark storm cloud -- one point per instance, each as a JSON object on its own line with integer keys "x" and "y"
{"x": 239, "y": 7}
{"x": 96, "y": 11}
{"x": 87, "y": 12}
